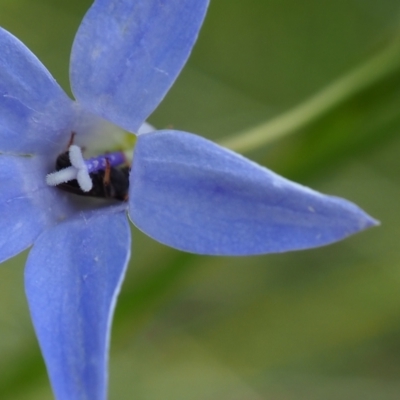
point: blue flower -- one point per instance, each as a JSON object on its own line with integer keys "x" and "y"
{"x": 184, "y": 191}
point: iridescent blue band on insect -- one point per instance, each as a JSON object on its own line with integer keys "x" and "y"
{"x": 99, "y": 163}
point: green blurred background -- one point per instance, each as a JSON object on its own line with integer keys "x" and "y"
{"x": 318, "y": 324}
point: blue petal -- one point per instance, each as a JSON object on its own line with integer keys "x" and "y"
{"x": 35, "y": 113}
{"x": 192, "y": 194}
{"x": 73, "y": 275}
{"x": 27, "y": 204}
{"x": 127, "y": 54}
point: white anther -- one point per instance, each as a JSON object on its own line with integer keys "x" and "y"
{"x": 78, "y": 170}
{"x": 84, "y": 180}
{"x": 62, "y": 176}
{"x": 76, "y": 157}
{"x": 77, "y": 160}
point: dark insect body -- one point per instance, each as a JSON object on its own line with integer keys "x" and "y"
{"x": 112, "y": 182}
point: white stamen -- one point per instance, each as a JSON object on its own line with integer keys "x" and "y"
{"x": 76, "y": 157}
{"x": 78, "y": 170}
{"x": 84, "y": 180}
{"x": 62, "y": 176}
{"x": 77, "y": 160}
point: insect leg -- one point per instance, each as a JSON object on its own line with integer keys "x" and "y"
{"x": 107, "y": 187}
{"x": 107, "y": 173}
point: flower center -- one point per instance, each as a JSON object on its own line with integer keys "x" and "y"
{"x": 104, "y": 176}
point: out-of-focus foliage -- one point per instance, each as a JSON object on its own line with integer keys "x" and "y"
{"x": 319, "y": 324}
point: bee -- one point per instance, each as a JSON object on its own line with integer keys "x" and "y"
{"x": 105, "y": 176}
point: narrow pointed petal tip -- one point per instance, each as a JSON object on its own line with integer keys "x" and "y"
{"x": 370, "y": 222}
{"x": 357, "y": 220}
{"x": 196, "y": 196}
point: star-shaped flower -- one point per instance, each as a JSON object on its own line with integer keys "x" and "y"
{"x": 184, "y": 191}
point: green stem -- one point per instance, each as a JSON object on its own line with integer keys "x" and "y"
{"x": 375, "y": 69}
